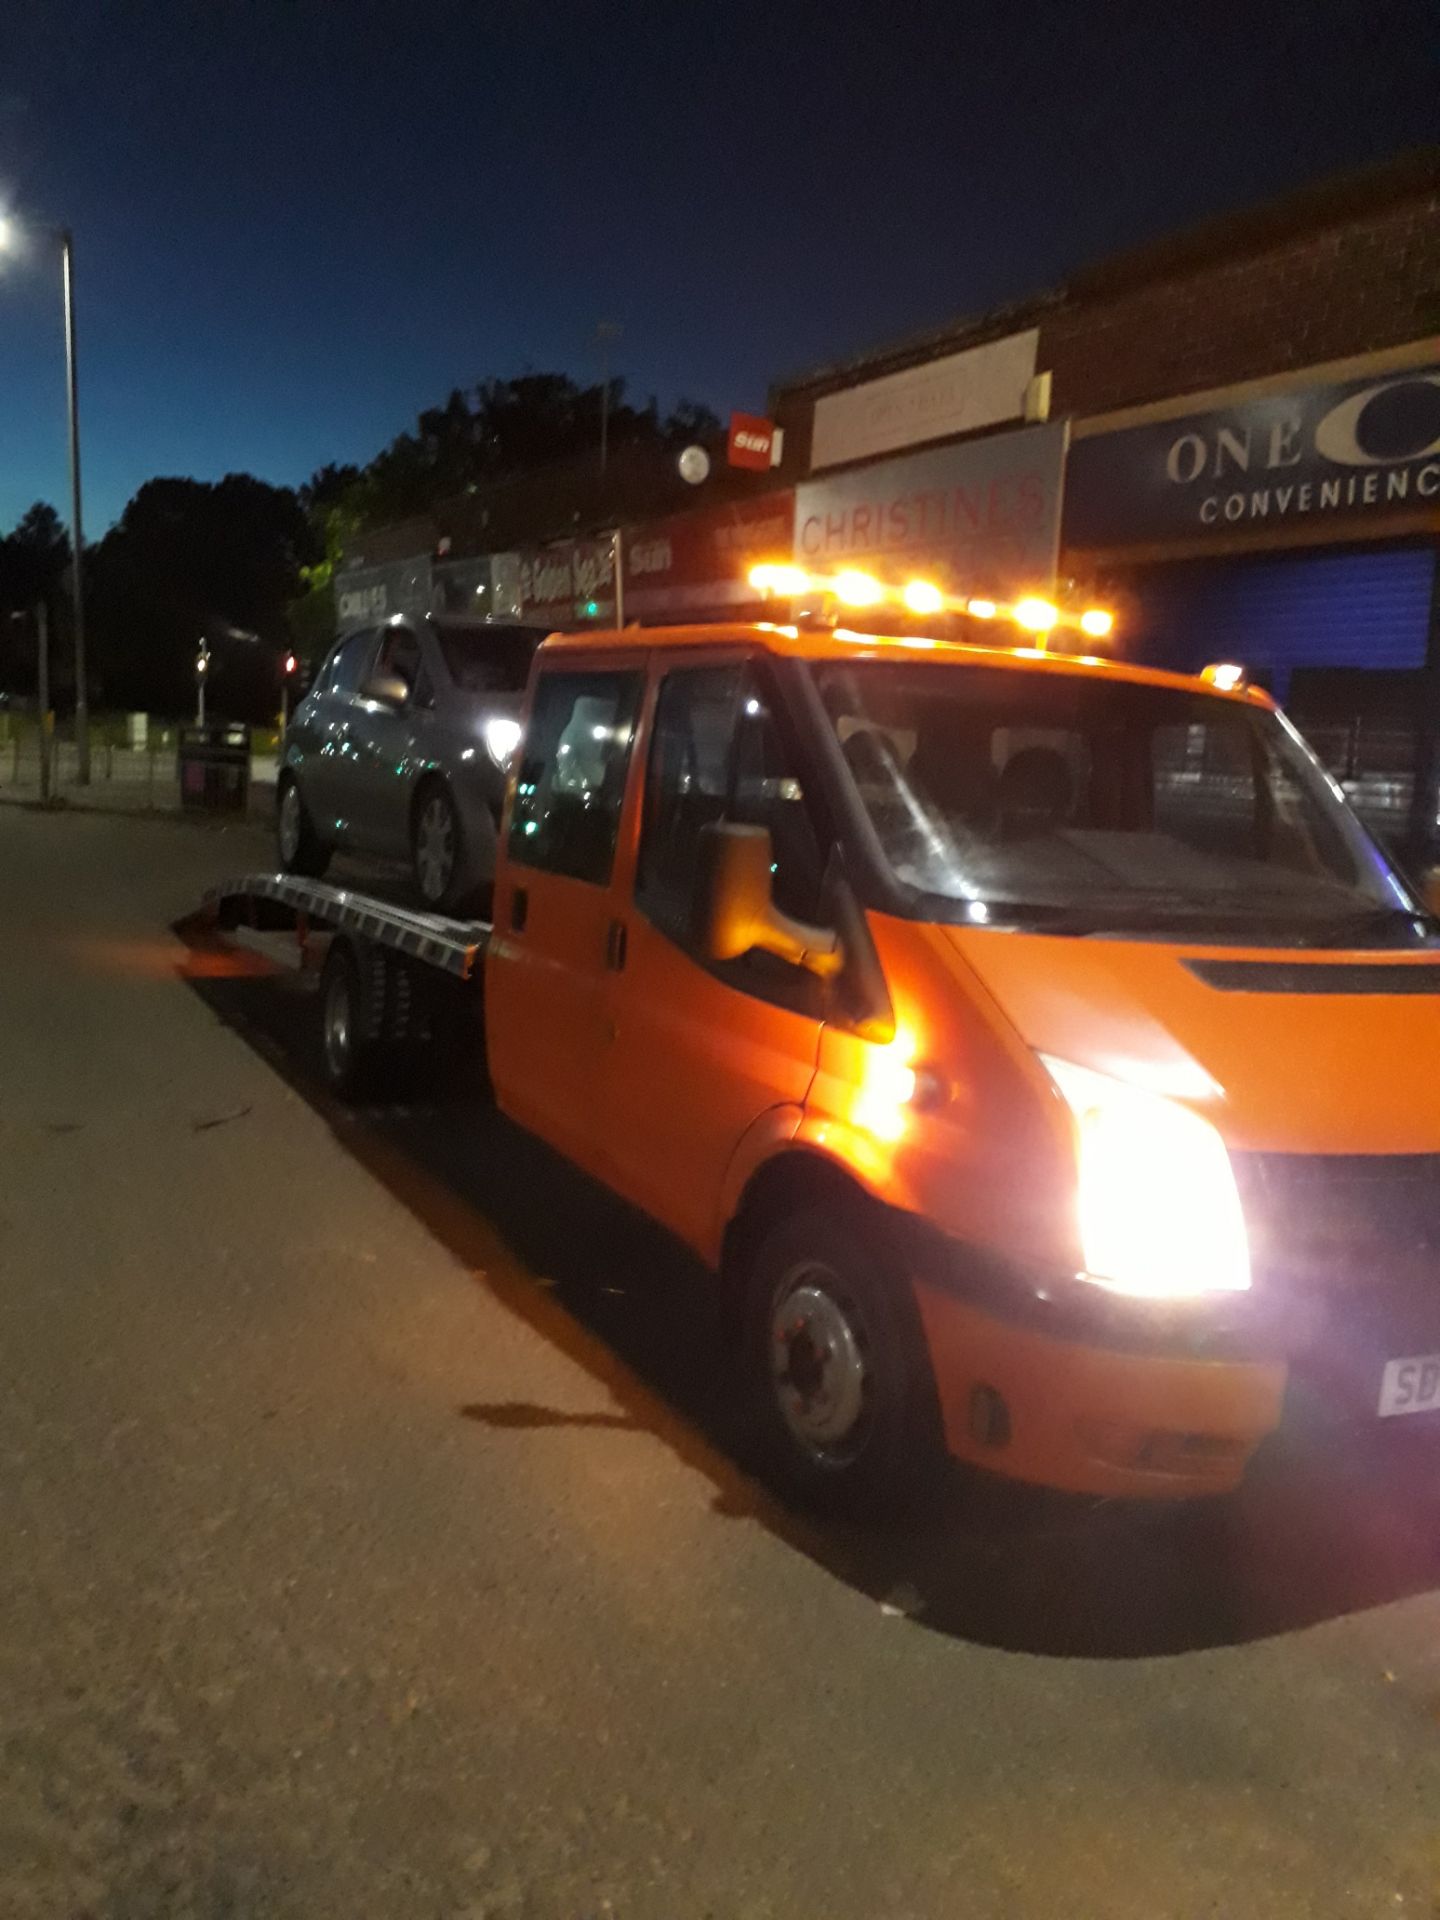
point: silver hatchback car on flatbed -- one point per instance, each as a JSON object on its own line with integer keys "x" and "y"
{"x": 400, "y": 749}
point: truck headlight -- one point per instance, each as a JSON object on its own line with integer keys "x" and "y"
{"x": 502, "y": 736}
{"x": 1160, "y": 1214}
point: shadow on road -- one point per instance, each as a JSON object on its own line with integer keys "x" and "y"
{"x": 1323, "y": 1527}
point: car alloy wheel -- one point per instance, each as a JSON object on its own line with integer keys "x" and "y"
{"x": 435, "y": 848}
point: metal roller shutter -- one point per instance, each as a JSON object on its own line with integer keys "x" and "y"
{"x": 1365, "y": 609}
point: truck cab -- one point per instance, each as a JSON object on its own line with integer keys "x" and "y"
{"x": 1039, "y": 1049}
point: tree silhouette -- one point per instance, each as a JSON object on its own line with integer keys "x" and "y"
{"x": 189, "y": 559}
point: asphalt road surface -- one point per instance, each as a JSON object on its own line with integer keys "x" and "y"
{"x": 374, "y": 1543}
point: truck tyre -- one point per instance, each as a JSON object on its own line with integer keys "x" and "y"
{"x": 300, "y": 848}
{"x": 350, "y": 1050}
{"x": 839, "y": 1373}
{"x": 440, "y": 856}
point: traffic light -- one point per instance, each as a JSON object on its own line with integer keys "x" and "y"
{"x": 291, "y": 666}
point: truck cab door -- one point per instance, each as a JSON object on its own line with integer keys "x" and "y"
{"x": 556, "y": 900}
{"x": 698, "y": 1051}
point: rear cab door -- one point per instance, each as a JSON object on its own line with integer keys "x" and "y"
{"x": 699, "y": 1052}
{"x": 558, "y": 899}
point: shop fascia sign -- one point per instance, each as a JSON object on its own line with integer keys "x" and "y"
{"x": 1367, "y": 448}
{"x": 699, "y": 562}
{"x": 555, "y": 583}
{"x": 959, "y": 393}
{"x": 364, "y": 596}
{"x": 979, "y": 516}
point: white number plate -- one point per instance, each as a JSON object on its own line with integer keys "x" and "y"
{"x": 1410, "y": 1386}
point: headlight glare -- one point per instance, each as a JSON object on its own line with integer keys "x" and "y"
{"x": 1160, "y": 1214}
{"x": 502, "y": 737}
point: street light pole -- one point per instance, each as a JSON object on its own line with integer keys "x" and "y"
{"x": 77, "y": 537}
{"x": 8, "y": 231}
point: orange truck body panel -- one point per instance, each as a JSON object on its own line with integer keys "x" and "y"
{"x": 677, "y": 1089}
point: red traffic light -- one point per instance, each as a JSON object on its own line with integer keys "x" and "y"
{"x": 291, "y": 663}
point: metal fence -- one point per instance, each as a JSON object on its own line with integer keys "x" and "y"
{"x": 138, "y": 779}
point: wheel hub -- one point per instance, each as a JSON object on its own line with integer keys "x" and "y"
{"x": 435, "y": 849}
{"x": 337, "y": 1026}
{"x": 818, "y": 1365}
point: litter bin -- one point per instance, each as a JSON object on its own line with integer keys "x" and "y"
{"x": 215, "y": 767}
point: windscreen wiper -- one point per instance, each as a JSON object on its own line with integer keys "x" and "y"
{"x": 1351, "y": 928}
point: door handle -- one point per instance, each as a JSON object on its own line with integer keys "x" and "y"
{"x": 616, "y": 944}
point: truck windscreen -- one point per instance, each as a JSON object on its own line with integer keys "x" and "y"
{"x": 1083, "y": 803}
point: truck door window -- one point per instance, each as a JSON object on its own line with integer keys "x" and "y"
{"x": 715, "y": 755}
{"x": 571, "y": 782}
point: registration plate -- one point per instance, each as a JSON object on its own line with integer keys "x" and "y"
{"x": 1410, "y": 1386}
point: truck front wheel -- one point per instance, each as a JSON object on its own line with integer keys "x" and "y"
{"x": 838, "y": 1367}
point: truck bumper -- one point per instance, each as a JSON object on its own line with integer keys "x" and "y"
{"x": 1073, "y": 1411}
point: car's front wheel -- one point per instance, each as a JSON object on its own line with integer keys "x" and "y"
{"x": 300, "y": 848}
{"x": 439, "y": 854}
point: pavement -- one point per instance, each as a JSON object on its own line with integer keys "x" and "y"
{"x": 378, "y": 1542}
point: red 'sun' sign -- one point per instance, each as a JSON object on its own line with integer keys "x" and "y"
{"x": 751, "y": 440}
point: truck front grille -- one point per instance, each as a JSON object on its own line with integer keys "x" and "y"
{"x": 1350, "y": 1219}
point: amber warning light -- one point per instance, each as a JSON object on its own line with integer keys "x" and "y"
{"x": 924, "y": 598}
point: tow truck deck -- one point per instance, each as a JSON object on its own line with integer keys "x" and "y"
{"x": 276, "y": 902}
{"x": 394, "y": 979}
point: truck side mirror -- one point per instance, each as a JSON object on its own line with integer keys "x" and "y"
{"x": 734, "y": 911}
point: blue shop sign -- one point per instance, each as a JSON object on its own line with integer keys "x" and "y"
{"x": 1365, "y": 448}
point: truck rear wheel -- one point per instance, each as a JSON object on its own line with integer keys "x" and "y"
{"x": 837, "y": 1363}
{"x": 350, "y": 1050}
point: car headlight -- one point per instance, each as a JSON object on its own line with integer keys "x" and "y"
{"x": 1160, "y": 1214}
{"x": 502, "y": 737}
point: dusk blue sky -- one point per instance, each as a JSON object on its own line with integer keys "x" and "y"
{"x": 299, "y": 221}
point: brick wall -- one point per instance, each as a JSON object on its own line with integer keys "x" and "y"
{"x": 1344, "y": 268}
{"x": 1370, "y": 283}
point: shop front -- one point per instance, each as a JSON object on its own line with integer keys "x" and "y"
{"x": 1290, "y": 527}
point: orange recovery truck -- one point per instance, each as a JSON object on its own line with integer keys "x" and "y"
{"x": 1037, "y": 1047}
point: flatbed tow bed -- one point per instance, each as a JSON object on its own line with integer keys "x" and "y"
{"x": 392, "y": 976}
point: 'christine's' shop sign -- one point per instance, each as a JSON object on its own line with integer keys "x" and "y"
{"x": 1367, "y": 448}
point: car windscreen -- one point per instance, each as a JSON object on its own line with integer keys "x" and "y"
{"x": 1081, "y": 802}
{"x": 487, "y": 659}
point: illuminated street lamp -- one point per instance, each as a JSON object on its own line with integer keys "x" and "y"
{"x": 9, "y": 235}
{"x": 202, "y": 673}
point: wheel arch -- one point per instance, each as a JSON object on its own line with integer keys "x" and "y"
{"x": 429, "y": 776}
{"x": 793, "y": 1177}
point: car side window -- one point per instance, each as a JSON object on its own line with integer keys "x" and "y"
{"x": 571, "y": 782}
{"x": 400, "y": 655}
{"x": 716, "y": 754}
{"x": 347, "y": 668}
